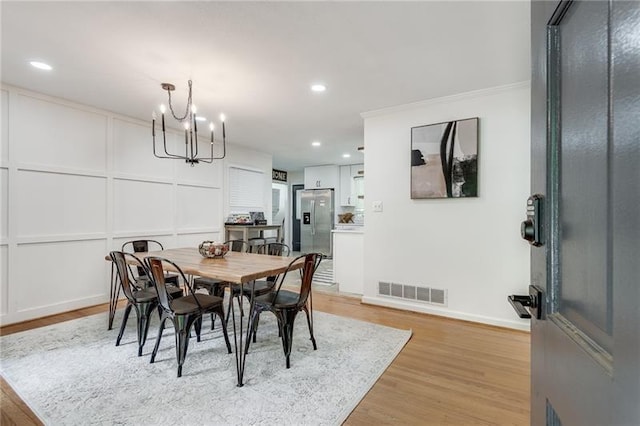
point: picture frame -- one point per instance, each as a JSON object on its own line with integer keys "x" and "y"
{"x": 444, "y": 159}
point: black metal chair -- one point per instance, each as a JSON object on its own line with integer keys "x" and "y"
{"x": 259, "y": 287}
{"x": 140, "y": 246}
{"x": 285, "y": 304}
{"x": 144, "y": 300}
{"x": 184, "y": 312}
{"x": 216, "y": 287}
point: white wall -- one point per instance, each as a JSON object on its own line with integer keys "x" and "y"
{"x": 77, "y": 182}
{"x": 470, "y": 247}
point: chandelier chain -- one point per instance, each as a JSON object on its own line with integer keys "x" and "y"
{"x": 188, "y": 109}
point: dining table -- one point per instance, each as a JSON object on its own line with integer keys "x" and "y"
{"x": 235, "y": 268}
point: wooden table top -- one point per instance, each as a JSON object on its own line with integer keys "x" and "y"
{"x": 233, "y": 267}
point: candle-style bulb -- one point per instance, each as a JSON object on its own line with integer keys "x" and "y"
{"x": 222, "y": 117}
{"x": 162, "y": 108}
{"x": 211, "y": 126}
{"x": 153, "y": 115}
{"x": 194, "y": 109}
{"x": 186, "y": 125}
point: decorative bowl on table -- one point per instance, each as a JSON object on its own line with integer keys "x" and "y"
{"x": 212, "y": 249}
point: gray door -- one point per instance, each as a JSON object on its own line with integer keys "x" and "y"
{"x": 296, "y": 217}
{"x": 585, "y": 348}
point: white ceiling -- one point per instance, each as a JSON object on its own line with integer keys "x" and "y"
{"x": 255, "y": 61}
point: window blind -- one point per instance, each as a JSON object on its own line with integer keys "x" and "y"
{"x": 246, "y": 190}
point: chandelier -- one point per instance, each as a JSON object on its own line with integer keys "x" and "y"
{"x": 190, "y": 123}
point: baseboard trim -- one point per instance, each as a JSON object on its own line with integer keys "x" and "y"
{"x": 58, "y": 308}
{"x": 414, "y": 307}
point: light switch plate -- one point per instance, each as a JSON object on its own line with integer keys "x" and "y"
{"x": 377, "y": 206}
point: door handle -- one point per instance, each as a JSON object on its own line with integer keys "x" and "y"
{"x": 528, "y": 305}
{"x": 313, "y": 217}
{"x": 531, "y": 229}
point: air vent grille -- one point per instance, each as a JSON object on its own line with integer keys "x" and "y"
{"x": 435, "y": 296}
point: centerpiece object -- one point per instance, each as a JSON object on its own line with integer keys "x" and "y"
{"x": 212, "y": 249}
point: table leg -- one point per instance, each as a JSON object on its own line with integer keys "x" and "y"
{"x": 245, "y": 234}
{"x": 114, "y": 294}
{"x": 241, "y": 352}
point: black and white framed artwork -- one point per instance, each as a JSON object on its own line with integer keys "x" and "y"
{"x": 444, "y": 160}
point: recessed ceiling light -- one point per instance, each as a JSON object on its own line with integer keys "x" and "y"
{"x": 316, "y": 143}
{"x": 346, "y": 155}
{"x": 199, "y": 118}
{"x": 318, "y": 87}
{"x": 41, "y": 65}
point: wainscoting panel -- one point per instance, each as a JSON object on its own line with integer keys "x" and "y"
{"x": 4, "y": 126}
{"x": 4, "y": 279}
{"x": 194, "y": 240}
{"x": 133, "y": 150}
{"x": 77, "y": 182}
{"x": 4, "y": 207}
{"x": 142, "y": 207}
{"x": 64, "y": 136}
{"x": 60, "y": 274}
{"x": 167, "y": 241}
{"x": 57, "y": 204}
{"x": 198, "y": 207}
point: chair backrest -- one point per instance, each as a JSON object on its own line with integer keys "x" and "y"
{"x": 237, "y": 245}
{"x": 275, "y": 249}
{"x": 156, "y": 268}
{"x": 140, "y": 246}
{"x": 124, "y": 272}
{"x": 311, "y": 262}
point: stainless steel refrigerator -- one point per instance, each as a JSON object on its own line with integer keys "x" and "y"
{"x": 317, "y": 221}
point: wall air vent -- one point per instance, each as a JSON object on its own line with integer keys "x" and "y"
{"x": 434, "y": 296}
{"x": 384, "y": 289}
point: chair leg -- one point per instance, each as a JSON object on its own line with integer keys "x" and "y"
{"x": 157, "y": 345}
{"x": 198, "y": 327}
{"x": 220, "y": 312}
{"x": 310, "y": 324}
{"x": 182, "y": 338}
{"x": 143, "y": 311}
{"x": 229, "y": 307}
{"x": 251, "y": 326}
{"x": 255, "y": 327}
{"x": 216, "y": 290}
{"x": 127, "y": 311}
{"x": 288, "y": 318}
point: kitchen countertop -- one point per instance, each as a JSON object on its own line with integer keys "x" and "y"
{"x": 355, "y": 229}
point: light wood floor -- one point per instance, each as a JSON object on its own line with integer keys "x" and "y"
{"x": 450, "y": 373}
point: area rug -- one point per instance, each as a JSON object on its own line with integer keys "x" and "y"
{"x": 72, "y": 373}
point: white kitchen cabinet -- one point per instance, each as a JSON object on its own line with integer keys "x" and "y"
{"x": 348, "y": 260}
{"x": 321, "y": 177}
{"x": 346, "y": 186}
{"x": 348, "y": 193}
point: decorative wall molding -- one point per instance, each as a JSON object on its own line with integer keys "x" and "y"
{"x": 119, "y": 184}
{"x": 190, "y": 231}
{"x": 434, "y": 310}
{"x": 446, "y": 99}
{"x": 60, "y": 238}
